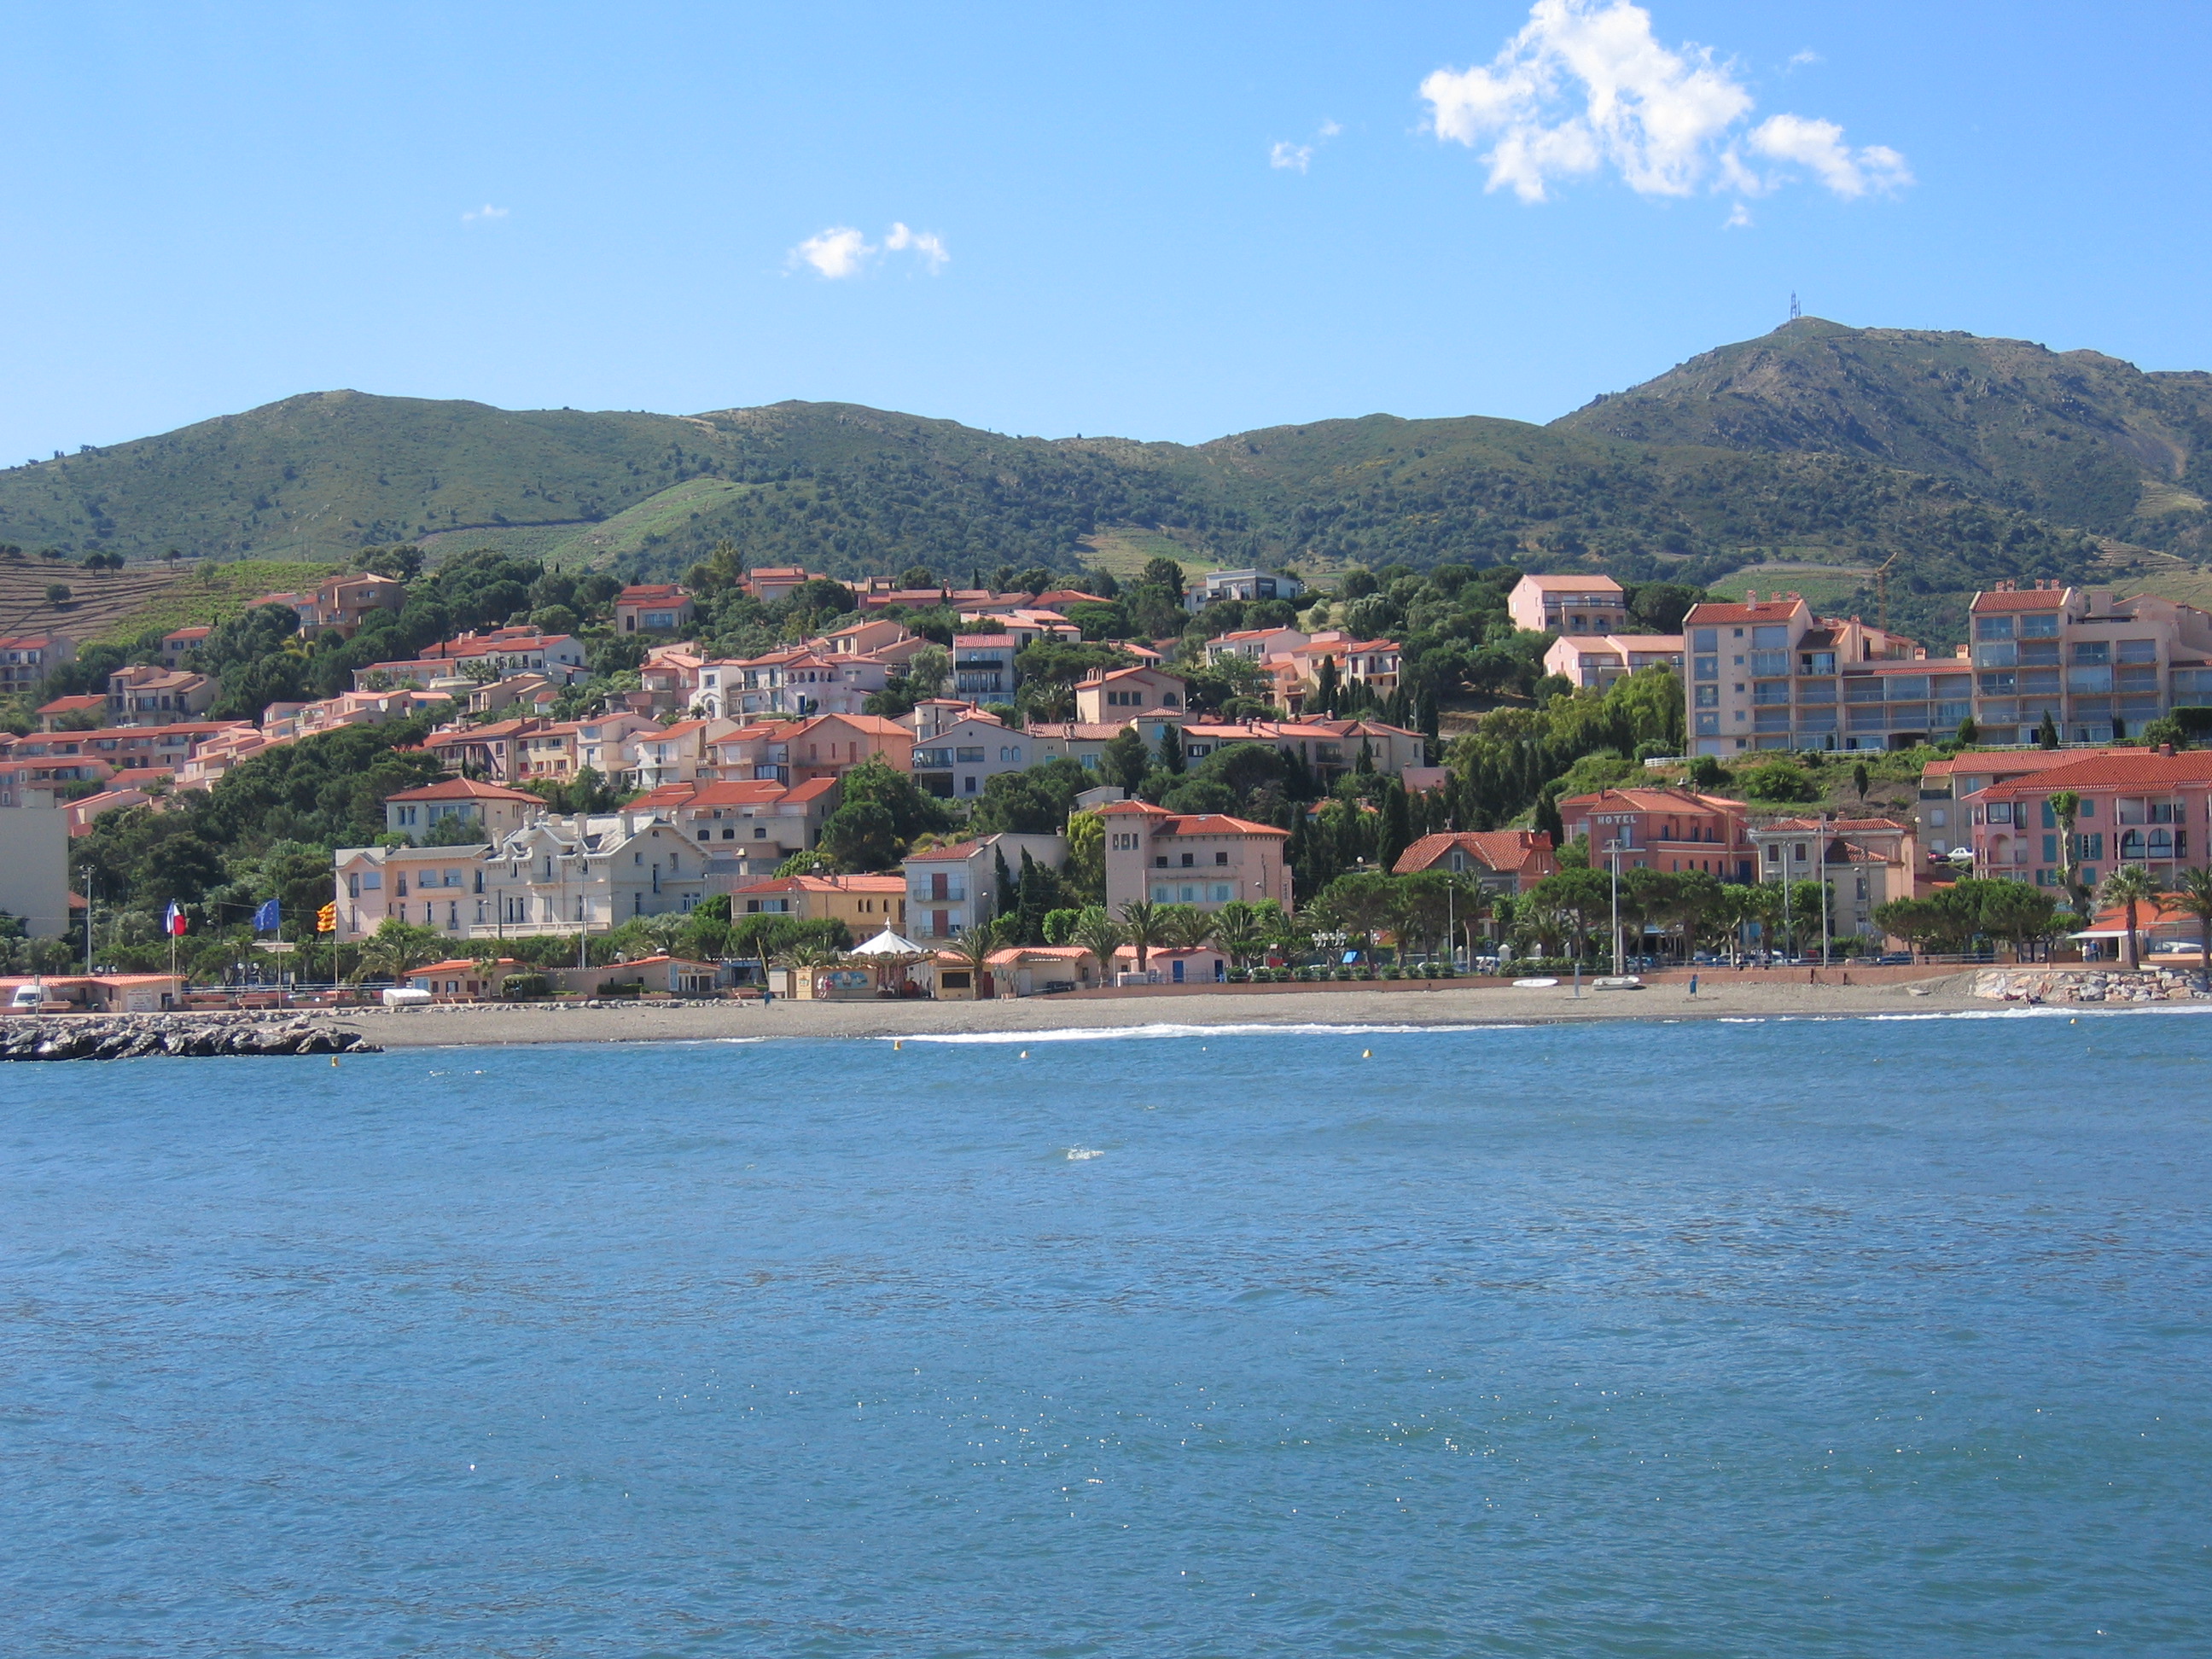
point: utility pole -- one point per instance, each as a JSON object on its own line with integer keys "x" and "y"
{"x": 84, "y": 874}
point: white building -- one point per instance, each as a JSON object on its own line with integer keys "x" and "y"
{"x": 554, "y": 875}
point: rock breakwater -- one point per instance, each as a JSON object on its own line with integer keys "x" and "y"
{"x": 132, "y": 1036}
{"x": 2085, "y": 985}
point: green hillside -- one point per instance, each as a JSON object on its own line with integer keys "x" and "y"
{"x": 1964, "y": 461}
{"x": 2074, "y": 436}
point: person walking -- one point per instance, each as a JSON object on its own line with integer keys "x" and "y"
{"x": 1693, "y": 988}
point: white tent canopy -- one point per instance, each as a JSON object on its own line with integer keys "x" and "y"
{"x": 888, "y": 944}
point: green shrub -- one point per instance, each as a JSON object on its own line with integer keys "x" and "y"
{"x": 521, "y": 985}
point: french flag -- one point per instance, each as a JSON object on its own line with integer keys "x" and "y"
{"x": 173, "y": 920}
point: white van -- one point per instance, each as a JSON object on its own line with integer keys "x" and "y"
{"x": 28, "y": 999}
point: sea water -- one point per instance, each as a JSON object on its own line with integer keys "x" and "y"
{"x": 1794, "y": 1338}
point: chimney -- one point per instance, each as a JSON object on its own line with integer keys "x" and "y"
{"x": 2167, "y": 750}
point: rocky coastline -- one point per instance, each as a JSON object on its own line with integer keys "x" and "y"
{"x": 195, "y": 1037}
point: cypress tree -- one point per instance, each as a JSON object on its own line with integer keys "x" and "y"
{"x": 1171, "y": 756}
{"x": 1396, "y": 833}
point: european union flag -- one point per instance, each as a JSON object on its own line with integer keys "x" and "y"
{"x": 266, "y": 918}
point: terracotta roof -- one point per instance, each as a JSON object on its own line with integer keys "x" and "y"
{"x": 1077, "y": 731}
{"x": 1501, "y": 849}
{"x": 1165, "y": 823}
{"x": 1766, "y": 610}
{"x": 2048, "y": 598}
{"x": 958, "y": 850}
{"x": 459, "y": 963}
{"x": 2018, "y": 761}
{"x": 1014, "y": 954}
{"x": 466, "y": 789}
{"x": 1652, "y": 800}
{"x": 1574, "y": 584}
{"x": 826, "y": 885}
{"x": 649, "y": 592}
{"x": 1837, "y": 826}
{"x": 2143, "y": 769}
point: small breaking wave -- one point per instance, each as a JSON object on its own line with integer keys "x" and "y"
{"x": 1103, "y": 1033}
{"x": 1079, "y": 1154}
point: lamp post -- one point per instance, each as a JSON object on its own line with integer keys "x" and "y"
{"x": 1612, "y": 857}
{"x": 1823, "y": 873}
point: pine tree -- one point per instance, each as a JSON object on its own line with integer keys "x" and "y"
{"x": 1171, "y": 756}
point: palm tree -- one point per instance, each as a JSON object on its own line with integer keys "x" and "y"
{"x": 397, "y": 946}
{"x": 974, "y": 946}
{"x": 1143, "y": 926}
{"x": 2130, "y": 885}
{"x": 1187, "y": 928}
{"x": 1238, "y": 931}
{"x": 664, "y": 929}
{"x": 2192, "y": 892}
{"x": 1098, "y": 933}
{"x": 2066, "y": 807}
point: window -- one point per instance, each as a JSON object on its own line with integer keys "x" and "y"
{"x": 1770, "y": 662}
{"x": 1769, "y": 638}
{"x": 2043, "y": 627}
{"x": 967, "y": 757}
{"x": 1816, "y": 662}
{"x": 1768, "y": 691}
{"x": 1993, "y": 628}
{"x": 2003, "y": 655}
{"x": 1189, "y": 859}
{"x": 1706, "y": 668}
{"x": 1708, "y": 697}
{"x": 2093, "y": 651}
{"x": 1221, "y": 857}
{"x": 2090, "y": 680}
{"x": 2134, "y": 651}
{"x": 2000, "y": 811}
{"x": 1999, "y": 686}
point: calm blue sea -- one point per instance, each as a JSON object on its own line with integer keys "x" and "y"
{"x": 1876, "y": 1338}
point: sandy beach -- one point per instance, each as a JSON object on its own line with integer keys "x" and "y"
{"x": 1349, "y": 1004}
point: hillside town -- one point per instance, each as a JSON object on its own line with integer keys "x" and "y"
{"x": 1012, "y": 790}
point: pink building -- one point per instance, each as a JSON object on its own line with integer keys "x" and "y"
{"x": 1669, "y": 830}
{"x": 1201, "y": 859}
{"x": 2136, "y": 807}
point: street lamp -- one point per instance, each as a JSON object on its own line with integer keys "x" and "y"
{"x": 1612, "y": 857}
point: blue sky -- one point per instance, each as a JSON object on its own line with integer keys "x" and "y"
{"x": 1162, "y": 221}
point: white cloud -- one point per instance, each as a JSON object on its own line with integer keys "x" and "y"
{"x": 834, "y": 253}
{"x": 926, "y": 245}
{"x": 1297, "y": 158}
{"x": 841, "y": 252}
{"x": 487, "y": 211}
{"x": 1738, "y": 218}
{"x": 1819, "y": 147}
{"x": 1801, "y": 59}
{"x": 1586, "y": 86}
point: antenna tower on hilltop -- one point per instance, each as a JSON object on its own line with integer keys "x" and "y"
{"x": 1796, "y": 310}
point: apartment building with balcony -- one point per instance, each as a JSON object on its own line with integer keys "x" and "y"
{"x": 26, "y": 660}
{"x": 1201, "y": 858}
{"x": 1769, "y": 674}
{"x": 1597, "y": 662}
{"x": 983, "y": 664}
{"x": 2137, "y": 806}
{"x": 1568, "y": 605}
{"x": 2102, "y": 667}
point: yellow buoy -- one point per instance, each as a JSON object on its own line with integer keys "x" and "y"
{"x": 1025, "y": 1053}
{"x": 1367, "y": 1054}
{"x": 897, "y": 1045}
{"x": 334, "y": 1061}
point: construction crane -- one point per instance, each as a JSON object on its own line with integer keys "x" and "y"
{"x": 1882, "y": 591}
